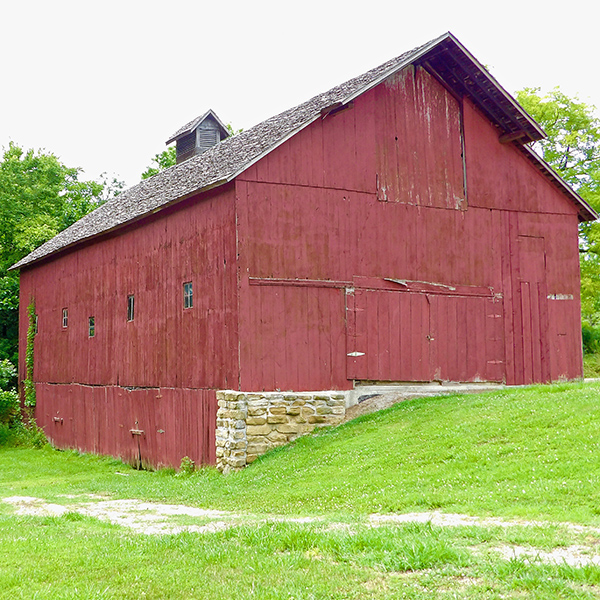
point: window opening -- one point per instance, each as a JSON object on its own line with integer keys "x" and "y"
{"x": 35, "y": 325}
{"x": 92, "y": 326}
{"x": 65, "y": 321}
{"x": 130, "y": 307}
{"x": 188, "y": 295}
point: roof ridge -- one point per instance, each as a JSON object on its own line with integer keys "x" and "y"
{"x": 230, "y": 157}
{"x": 146, "y": 196}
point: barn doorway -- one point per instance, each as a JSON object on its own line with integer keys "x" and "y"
{"x": 388, "y": 336}
{"x": 401, "y": 336}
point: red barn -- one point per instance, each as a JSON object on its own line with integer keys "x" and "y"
{"x": 396, "y": 228}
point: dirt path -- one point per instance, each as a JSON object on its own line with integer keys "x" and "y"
{"x": 153, "y": 518}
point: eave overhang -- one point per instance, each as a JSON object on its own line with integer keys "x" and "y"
{"x": 444, "y": 57}
{"x": 585, "y": 211}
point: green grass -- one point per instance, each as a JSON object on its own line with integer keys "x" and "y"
{"x": 531, "y": 452}
{"x": 591, "y": 365}
{"x": 528, "y": 453}
{"x": 83, "y": 558}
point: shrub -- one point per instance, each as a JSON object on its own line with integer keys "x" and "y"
{"x": 590, "y": 337}
{"x": 33, "y": 435}
{"x": 9, "y": 399}
{"x": 9, "y": 406}
{"x": 13, "y": 431}
{"x": 187, "y": 467}
{"x": 19, "y": 434}
{"x": 8, "y": 375}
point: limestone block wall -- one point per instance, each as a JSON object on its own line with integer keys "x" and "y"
{"x": 250, "y": 424}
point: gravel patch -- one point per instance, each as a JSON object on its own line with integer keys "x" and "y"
{"x": 574, "y": 556}
{"x": 441, "y": 519}
{"x": 36, "y": 507}
{"x": 154, "y": 518}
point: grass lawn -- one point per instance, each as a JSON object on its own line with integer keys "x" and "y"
{"x": 530, "y": 453}
{"x": 591, "y": 365}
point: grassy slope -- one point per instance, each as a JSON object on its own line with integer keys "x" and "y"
{"x": 529, "y": 452}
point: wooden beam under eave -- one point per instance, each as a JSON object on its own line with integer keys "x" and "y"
{"x": 507, "y": 138}
{"x": 478, "y": 85}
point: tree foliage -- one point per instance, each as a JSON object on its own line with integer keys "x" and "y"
{"x": 39, "y": 196}
{"x": 160, "y": 162}
{"x": 572, "y": 148}
{"x": 573, "y": 143}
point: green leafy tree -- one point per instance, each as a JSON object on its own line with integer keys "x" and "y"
{"x": 39, "y": 196}
{"x": 160, "y": 162}
{"x": 572, "y": 148}
{"x": 232, "y": 131}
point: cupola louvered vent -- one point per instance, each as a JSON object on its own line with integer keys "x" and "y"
{"x": 198, "y": 136}
{"x": 208, "y": 138}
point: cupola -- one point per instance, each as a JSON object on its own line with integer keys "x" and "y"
{"x": 198, "y": 136}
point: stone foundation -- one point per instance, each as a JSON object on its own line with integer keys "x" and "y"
{"x": 250, "y": 424}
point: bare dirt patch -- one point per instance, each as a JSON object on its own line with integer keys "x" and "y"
{"x": 35, "y": 507}
{"x": 441, "y": 519}
{"x": 575, "y": 556}
{"x": 150, "y": 518}
{"x": 153, "y": 518}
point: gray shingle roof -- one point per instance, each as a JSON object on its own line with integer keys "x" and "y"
{"x": 218, "y": 164}
{"x": 224, "y": 161}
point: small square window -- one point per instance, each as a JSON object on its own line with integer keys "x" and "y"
{"x": 188, "y": 295}
{"x": 65, "y": 317}
{"x": 130, "y": 307}
{"x": 92, "y": 326}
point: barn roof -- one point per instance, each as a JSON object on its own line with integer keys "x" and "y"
{"x": 445, "y": 57}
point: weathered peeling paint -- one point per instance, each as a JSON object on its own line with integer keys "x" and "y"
{"x": 348, "y": 253}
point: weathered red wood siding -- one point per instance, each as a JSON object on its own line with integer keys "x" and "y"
{"x": 393, "y": 240}
{"x": 407, "y": 184}
{"x": 159, "y": 370}
{"x": 537, "y": 228}
{"x": 175, "y": 422}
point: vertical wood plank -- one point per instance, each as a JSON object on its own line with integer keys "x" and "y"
{"x": 526, "y": 327}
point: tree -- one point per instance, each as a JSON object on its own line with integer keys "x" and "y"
{"x": 572, "y": 148}
{"x": 39, "y": 196}
{"x": 162, "y": 161}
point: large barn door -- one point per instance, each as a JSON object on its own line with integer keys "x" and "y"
{"x": 420, "y": 336}
{"x": 466, "y": 338}
{"x": 532, "y": 363}
{"x": 387, "y": 336}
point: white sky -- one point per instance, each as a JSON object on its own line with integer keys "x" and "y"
{"x": 103, "y": 84}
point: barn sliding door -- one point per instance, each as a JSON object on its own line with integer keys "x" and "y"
{"x": 387, "y": 336}
{"x": 466, "y": 340}
{"x": 404, "y": 336}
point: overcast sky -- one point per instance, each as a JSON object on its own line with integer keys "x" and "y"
{"x": 103, "y": 84}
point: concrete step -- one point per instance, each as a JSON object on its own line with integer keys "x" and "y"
{"x": 365, "y": 399}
